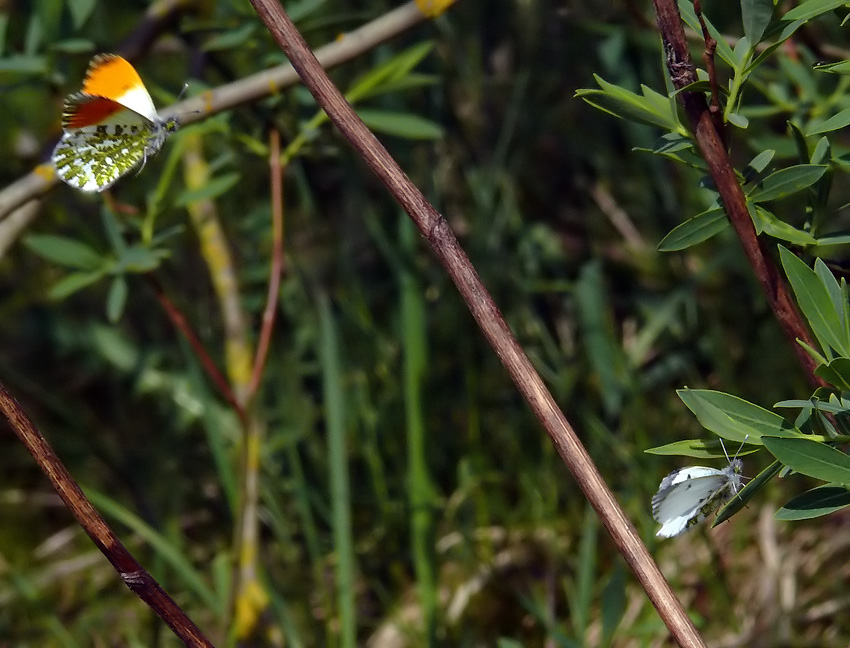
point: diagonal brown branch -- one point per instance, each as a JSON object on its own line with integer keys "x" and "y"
{"x": 132, "y": 573}
{"x": 448, "y": 251}
{"x": 720, "y": 167}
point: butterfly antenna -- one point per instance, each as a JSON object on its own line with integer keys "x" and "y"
{"x": 741, "y": 447}
{"x": 722, "y": 445}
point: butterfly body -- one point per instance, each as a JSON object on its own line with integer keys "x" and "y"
{"x": 111, "y": 126}
{"x": 689, "y": 495}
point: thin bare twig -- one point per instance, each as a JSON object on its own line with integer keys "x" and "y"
{"x": 181, "y": 324}
{"x": 448, "y": 251}
{"x": 132, "y": 573}
{"x": 270, "y": 312}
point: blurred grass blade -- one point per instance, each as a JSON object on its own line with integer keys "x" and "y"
{"x": 214, "y": 423}
{"x": 597, "y": 328}
{"x": 414, "y": 324}
{"x": 613, "y": 603}
{"x": 581, "y": 600}
{"x": 335, "y": 415}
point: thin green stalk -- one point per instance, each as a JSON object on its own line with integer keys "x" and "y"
{"x": 338, "y": 467}
{"x": 418, "y": 478}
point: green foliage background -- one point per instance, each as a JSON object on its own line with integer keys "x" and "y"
{"x": 560, "y": 217}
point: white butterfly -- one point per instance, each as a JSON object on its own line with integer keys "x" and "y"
{"x": 688, "y": 495}
{"x": 111, "y": 126}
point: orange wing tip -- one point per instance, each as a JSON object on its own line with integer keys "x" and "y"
{"x": 111, "y": 76}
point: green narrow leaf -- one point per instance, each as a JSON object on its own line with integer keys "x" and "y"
{"x": 835, "y": 374}
{"x": 49, "y": 13}
{"x": 73, "y": 46}
{"x": 767, "y": 223}
{"x": 401, "y": 124}
{"x": 698, "y": 449}
{"x": 834, "y": 239}
{"x": 374, "y": 81}
{"x": 738, "y": 120}
{"x": 734, "y": 418}
{"x": 80, "y": 11}
{"x": 113, "y": 230}
{"x": 74, "y": 282}
{"x": 841, "y": 67}
{"x": 834, "y": 123}
{"x": 64, "y": 251}
{"x": 625, "y": 104}
{"x": 695, "y": 230}
{"x": 116, "y": 299}
{"x": 138, "y": 259}
{"x": 816, "y": 303}
{"x": 817, "y": 502}
{"x": 822, "y": 152}
{"x": 24, "y": 65}
{"x": 800, "y": 142}
{"x": 230, "y": 38}
{"x": 34, "y": 36}
{"x": 212, "y": 189}
{"x": 786, "y": 182}
{"x": 830, "y": 408}
{"x": 837, "y": 294}
{"x": 758, "y": 164}
{"x": 808, "y": 457}
{"x": 756, "y": 16}
{"x": 813, "y": 8}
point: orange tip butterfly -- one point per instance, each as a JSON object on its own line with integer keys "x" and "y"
{"x": 689, "y": 495}
{"x": 111, "y": 126}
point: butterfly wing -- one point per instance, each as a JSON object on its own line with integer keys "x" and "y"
{"x": 111, "y": 127}
{"x": 92, "y": 158}
{"x": 687, "y": 496}
{"x": 112, "y": 77}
